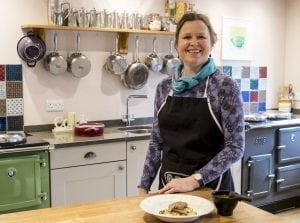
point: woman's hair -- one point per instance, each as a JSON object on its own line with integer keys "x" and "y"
{"x": 188, "y": 17}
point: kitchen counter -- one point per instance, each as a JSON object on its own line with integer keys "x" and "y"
{"x": 68, "y": 139}
{"x": 128, "y": 210}
{"x": 114, "y": 134}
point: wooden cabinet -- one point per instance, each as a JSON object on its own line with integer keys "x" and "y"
{"x": 88, "y": 173}
{"x": 136, "y": 154}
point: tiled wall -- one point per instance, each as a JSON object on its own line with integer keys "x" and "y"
{"x": 253, "y": 84}
{"x": 252, "y": 80}
{"x": 11, "y": 98}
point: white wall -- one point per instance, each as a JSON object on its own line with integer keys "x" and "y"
{"x": 292, "y": 59}
{"x": 100, "y": 95}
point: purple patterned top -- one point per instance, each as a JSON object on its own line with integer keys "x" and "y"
{"x": 227, "y": 106}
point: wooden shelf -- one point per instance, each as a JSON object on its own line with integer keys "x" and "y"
{"x": 92, "y": 29}
{"x": 123, "y": 33}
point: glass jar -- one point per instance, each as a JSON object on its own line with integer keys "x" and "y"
{"x": 154, "y": 21}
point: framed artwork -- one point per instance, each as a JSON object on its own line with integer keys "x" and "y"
{"x": 236, "y": 39}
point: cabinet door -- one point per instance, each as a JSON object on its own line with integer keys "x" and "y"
{"x": 88, "y": 183}
{"x": 260, "y": 175}
{"x": 136, "y": 154}
{"x": 288, "y": 145}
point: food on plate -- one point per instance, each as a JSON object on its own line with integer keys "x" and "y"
{"x": 178, "y": 208}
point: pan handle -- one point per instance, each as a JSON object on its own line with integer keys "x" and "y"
{"x": 136, "y": 56}
{"x": 78, "y": 42}
{"x": 116, "y": 43}
{"x": 55, "y": 42}
{"x": 171, "y": 46}
{"x": 154, "y": 45}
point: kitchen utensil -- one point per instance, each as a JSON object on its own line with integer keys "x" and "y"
{"x": 153, "y": 61}
{"x": 31, "y": 48}
{"x": 226, "y": 201}
{"x": 170, "y": 62}
{"x": 137, "y": 73}
{"x": 89, "y": 129}
{"x": 154, "y": 204}
{"x": 78, "y": 64}
{"x": 54, "y": 62}
{"x": 116, "y": 63}
{"x": 65, "y": 10}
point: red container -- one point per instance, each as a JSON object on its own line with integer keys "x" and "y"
{"x": 89, "y": 129}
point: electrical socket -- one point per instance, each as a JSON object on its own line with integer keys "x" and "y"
{"x": 55, "y": 105}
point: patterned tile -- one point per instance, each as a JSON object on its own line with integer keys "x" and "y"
{"x": 237, "y": 72}
{"x": 245, "y": 72}
{"x": 246, "y": 107}
{"x": 2, "y": 72}
{"x": 253, "y": 96}
{"x": 246, "y": 96}
{"x": 2, "y": 90}
{"x": 262, "y": 96}
{"x": 14, "y": 72}
{"x": 254, "y": 84}
{"x": 15, "y": 123}
{"x": 262, "y": 84}
{"x": 262, "y": 72}
{"x": 2, "y": 107}
{"x": 253, "y": 107}
{"x": 254, "y": 72}
{"x": 227, "y": 70}
{"x": 2, "y": 124}
{"x": 14, "y": 107}
{"x": 14, "y": 89}
{"x": 245, "y": 84}
{"x": 262, "y": 106}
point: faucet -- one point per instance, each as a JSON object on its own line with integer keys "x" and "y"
{"x": 127, "y": 117}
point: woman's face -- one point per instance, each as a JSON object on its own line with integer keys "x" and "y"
{"x": 194, "y": 44}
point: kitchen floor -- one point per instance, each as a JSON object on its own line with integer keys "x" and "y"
{"x": 292, "y": 215}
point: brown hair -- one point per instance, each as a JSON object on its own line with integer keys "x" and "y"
{"x": 192, "y": 17}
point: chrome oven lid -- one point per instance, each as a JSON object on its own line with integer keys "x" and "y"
{"x": 12, "y": 138}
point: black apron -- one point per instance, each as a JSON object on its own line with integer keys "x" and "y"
{"x": 191, "y": 139}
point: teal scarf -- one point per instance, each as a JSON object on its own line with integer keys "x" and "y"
{"x": 185, "y": 83}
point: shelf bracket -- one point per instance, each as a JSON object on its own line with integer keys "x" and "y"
{"x": 123, "y": 42}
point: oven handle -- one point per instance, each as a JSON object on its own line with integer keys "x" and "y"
{"x": 24, "y": 149}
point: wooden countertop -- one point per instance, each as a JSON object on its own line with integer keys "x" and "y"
{"x": 128, "y": 210}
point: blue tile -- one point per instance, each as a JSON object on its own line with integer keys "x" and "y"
{"x": 262, "y": 106}
{"x": 246, "y": 96}
{"x": 2, "y": 124}
{"x": 14, "y": 72}
{"x": 254, "y": 84}
{"x": 227, "y": 70}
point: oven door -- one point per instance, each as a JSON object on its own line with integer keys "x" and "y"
{"x": 20, "y": 180}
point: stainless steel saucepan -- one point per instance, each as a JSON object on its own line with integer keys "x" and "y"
{"x": 116, "y": 63}
{"x": 78, "y": 64}
{"x": 153, "y": 61}
{"x": 137, "y": 73}
{"x": 170, "y": 62}
{"x": 54, "y": 62}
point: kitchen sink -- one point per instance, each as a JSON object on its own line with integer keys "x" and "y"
{"x": 137, "y": 129}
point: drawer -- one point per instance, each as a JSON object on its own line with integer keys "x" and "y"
{"x": 85, "y": 155}
{"x": 288, "y": 177}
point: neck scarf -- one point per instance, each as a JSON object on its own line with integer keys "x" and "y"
{"x": 185, "y": 83}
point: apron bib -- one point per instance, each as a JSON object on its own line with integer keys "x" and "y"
{"x": 192, "y": 137}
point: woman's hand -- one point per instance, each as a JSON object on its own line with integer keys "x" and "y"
{"x": 142, "y": 191}
{"x": 176, "y": 185}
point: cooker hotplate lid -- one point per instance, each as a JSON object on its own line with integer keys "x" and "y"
{"x": 12, "y": 138}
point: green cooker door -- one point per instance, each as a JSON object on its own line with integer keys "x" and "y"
{"x": 20, "y": 180}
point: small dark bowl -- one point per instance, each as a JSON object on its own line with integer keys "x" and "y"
{"x": 224, "y": 203}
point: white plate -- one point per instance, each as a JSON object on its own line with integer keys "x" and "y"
{"x": 156, "y": 203}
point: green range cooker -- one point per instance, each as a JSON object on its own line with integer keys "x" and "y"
{"x": 24, "y": 173}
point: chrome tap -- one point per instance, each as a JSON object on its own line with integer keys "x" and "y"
{"x": 127, "y": 117}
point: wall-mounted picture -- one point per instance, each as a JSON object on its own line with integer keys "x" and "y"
{"x": 236, "y": 39}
